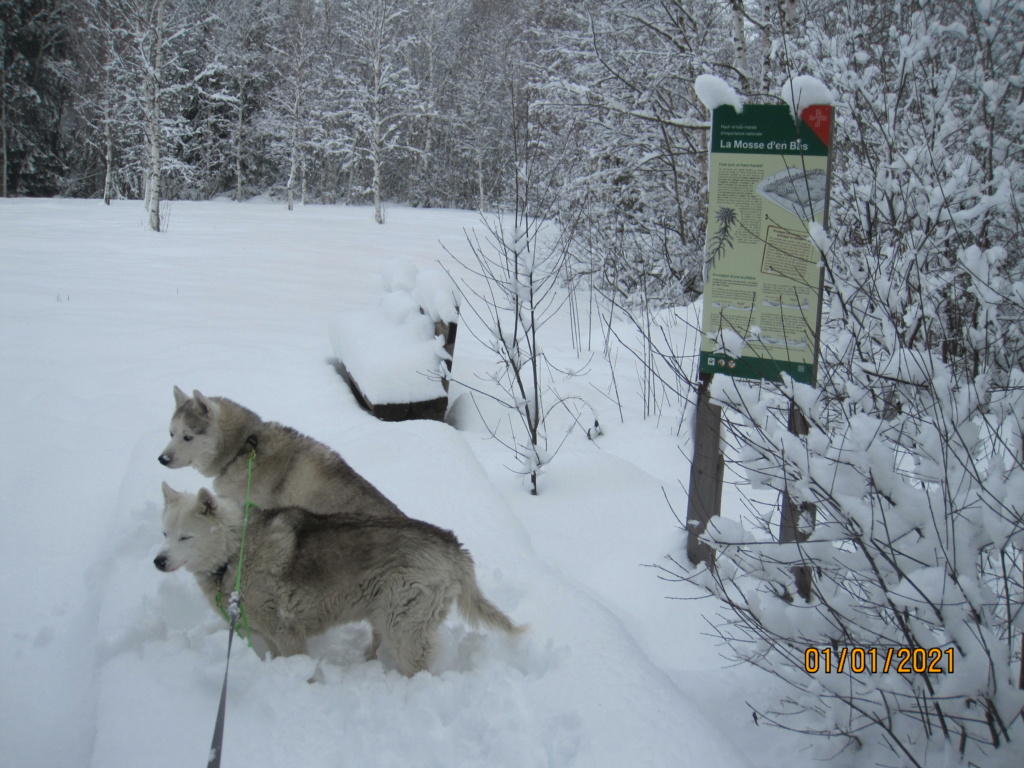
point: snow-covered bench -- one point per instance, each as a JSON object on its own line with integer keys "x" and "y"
{"x": 396, "y": 355}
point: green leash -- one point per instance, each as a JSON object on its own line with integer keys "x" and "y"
{"x": 235, "y": 608}
{"x": 232, "y": 614}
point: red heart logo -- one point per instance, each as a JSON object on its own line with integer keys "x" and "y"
{"x": 819, "y": 118}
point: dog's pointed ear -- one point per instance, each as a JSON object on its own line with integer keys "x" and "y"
{"x": 180, "y": 398}
{"x": 169, "y": 493}
{"x": 203, "y": 403}
{"x": 208, "y": 502}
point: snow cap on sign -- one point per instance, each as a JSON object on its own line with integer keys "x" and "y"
{"x": 802, "y": 91}
{"x": 714, "y": 92}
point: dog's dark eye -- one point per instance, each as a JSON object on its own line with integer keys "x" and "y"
{"x": 184, "y": 538}
{"x": 187, "y": 438}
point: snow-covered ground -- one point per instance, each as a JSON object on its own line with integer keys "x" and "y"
{"x": 106, "y": 662}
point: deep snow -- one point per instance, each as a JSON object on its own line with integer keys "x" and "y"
{"x": 106, "y": 662}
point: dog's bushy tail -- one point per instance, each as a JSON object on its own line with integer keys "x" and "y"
{"x": 476, "y": 608}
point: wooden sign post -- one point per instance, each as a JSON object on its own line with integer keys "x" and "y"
{"x": 707, "y": 473}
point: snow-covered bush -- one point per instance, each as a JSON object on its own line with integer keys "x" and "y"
{"x": 522, "y": 266}
{"x": 914, "y": 463}
{"x": 916, "y": 545}
{"x": 522, "y": 270}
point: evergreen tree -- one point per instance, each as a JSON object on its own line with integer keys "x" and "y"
{"x": 35, "y": 86}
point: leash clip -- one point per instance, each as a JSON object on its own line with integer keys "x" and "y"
{"x": 234, "y": 608}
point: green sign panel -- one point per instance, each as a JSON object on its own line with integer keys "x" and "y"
{"x": 762, "y": 296}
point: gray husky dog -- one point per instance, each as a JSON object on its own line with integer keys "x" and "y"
{"x": 216, "y": 436}
{"x": 304, "y": 573}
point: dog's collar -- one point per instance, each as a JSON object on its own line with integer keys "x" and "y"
{"x": 250, "y": 444}
{"x": 218, "y": 574}
{"x": 248, "y": 447}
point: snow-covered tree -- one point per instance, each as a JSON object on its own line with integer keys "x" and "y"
{"x": 433, "y": 59}
{"x": 229, "y": 92}
{"x": 521, "y": 266}
{"x": 522, "y": 263}
{"x": 382, "y": 93}
{"x": 479, "y": 110}
{"x": 293, "y": 118}
{"x": 154, "y": 44}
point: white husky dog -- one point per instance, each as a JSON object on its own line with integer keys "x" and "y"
{"x": 304, "y": 573}
{"x": 216, "y": 436}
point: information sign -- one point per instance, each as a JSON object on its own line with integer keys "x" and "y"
{"x": 769, "y": 179}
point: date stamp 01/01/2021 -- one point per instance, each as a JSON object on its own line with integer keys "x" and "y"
{"x": 858, "y": 660}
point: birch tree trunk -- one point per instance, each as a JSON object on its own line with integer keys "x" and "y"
{"x": 378, "y": 210}
{"x": 789, "y": 13}
{"x": 153, "y": 117}
{"x": 480, "y": 178}
{"x": 303, "y": 164}
{"x": 423, "y": 194}
{"x": 376, "y": 114}
{"x": 779, "y": 22}
{"x": 294, "y": 167}
{"x": 239, "y": 124}
{"x": 3, "y": 130}
{"x": 108, "y": 179}
{"x": 739, "y": 42}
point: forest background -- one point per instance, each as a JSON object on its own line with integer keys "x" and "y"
{"x": 449, "y": 103}
{"x": 441, "y": 103}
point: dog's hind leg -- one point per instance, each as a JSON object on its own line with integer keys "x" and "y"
{"x": 271, "y": 647}
{"x": 374, "y": 646}
{"x": 412, "y": 649}
{"x": 413, "y": 629}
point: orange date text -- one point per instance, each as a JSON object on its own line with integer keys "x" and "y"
{"x": 861, "y": 660}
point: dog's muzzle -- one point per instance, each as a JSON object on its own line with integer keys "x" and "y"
{"x": 165, "y": 459}
{"x": 160, "y": 561}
